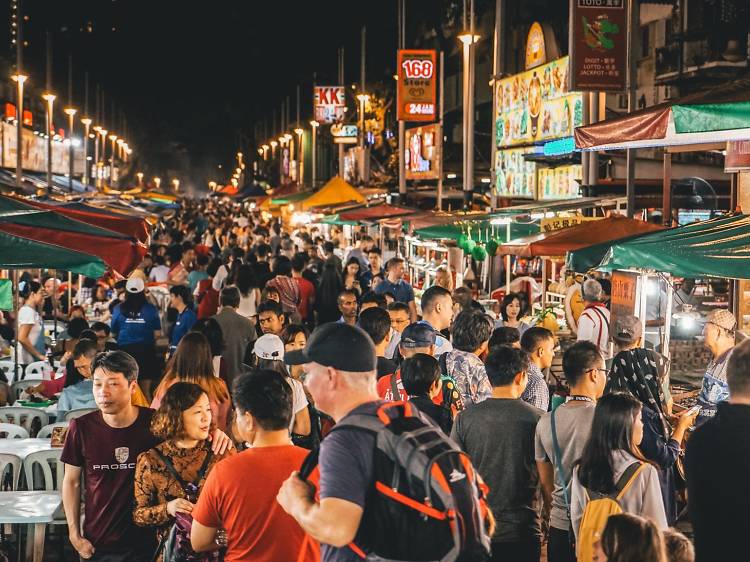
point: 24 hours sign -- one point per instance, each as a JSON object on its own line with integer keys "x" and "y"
{"x": 417, "y": 81}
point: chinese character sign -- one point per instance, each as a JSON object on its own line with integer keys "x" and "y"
{"x": 625, "y": 295}
{"x": 417, "y": 81}
{"x": 329, "y": 103}
{"x": 600, "y": 33}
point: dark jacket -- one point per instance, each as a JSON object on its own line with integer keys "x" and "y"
{"x": 663, "y": 452}
{"x": 717, "y": 463}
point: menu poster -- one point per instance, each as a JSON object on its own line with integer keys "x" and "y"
{"x": 562, "y": 182}
{"x": 515, "y": 176}
{"x": 536, "y": 105}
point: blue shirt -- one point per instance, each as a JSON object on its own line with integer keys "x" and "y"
{"x": 184, "y": 323}
{"x": 366, "y": 278}
{"x": 442, "y": 345}
{"x": 76, "y": 396}
{"x": 136, "y": 329}
{"x": 401, "y": 290}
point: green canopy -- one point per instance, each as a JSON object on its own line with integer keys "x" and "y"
{"x": 452, "y": 231}
{"x": 590, "y": 257}
{"x": 714, "y": 248}
{"x": 21, "y": 253}
{"x": 336, "y": 219}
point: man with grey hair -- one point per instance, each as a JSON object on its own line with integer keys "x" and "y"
{"x": 593, "y": 325}
{"x": 339, "y": 362}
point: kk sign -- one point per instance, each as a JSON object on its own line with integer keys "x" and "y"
{"x": 417, "y": 81}
{"x": 329, "y": 103}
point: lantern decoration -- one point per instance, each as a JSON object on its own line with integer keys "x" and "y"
{"x": 479, "y": 253}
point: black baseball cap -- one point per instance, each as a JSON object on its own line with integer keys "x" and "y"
{"x": 337, "y": 345}
{"x": 416, "y": 335}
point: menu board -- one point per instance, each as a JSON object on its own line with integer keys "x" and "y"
{"x": 516, "y": 177}
{"x": 422, "y": 152}
{"x": 560, "y": 182}
{"x": 536, "y": 105}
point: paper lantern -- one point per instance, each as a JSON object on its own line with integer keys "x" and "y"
{"x": 479, "y": 253}
{"x": 492, "y": 247}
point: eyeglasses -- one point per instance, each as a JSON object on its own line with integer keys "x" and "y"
{"x": 599, "y": 370}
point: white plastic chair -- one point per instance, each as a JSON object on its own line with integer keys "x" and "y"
{"x": 73, "y": 414}
{"x": 37, "y": 370}
{"x": 7, "y": 368}
{"x": 44, "y": 471}
{"x": 24, "y": 417}
{"x": 17, "y": 388}
{"x": 46, "y": 431}
{"x": 13, "y": 431}
{"x": 8, "y": 460}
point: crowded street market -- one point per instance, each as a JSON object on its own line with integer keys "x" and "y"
{"x": 491, "y": 305}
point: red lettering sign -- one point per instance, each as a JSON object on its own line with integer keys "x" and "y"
{"x": 417, "y": 85}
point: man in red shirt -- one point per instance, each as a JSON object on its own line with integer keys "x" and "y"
{"x": 306, "y": 289}
{"x": 239, "y": 495}
{"x": 416, "y": 338}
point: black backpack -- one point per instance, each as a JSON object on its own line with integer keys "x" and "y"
{"x": 428, "y": 502}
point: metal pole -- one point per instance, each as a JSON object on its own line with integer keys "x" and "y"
{"x": 469, "y": 182}
{"x": 70, "y": 128}
{"x": 632, "y": 75}
{"x": 498, "y": 67}
{"x": 86, "y": 134}
{"x": 362, "y": 87}
{"x": 401, "y": 124}
{"x": 49, "y": 114}
{"x": 314, "y": 155}
{"x": 15, "y": 377}
{"x": 341, "y": 83}
{"x": 441, "y": 109}
{"x": 19, "y": 101}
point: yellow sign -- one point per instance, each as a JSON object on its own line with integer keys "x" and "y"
{"x": 536, "y": 51}
{"x": 558, "y": 223}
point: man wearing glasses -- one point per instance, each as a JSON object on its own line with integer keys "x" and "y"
{"x": 718, "y": 334}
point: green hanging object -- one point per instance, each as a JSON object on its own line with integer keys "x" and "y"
{"x": 479, "y": 253}
{"x": 492, "y": 247}
{"x": 462, "y": 242}
{"x": 470, "y": 245}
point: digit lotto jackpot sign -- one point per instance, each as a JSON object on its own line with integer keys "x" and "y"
{"x": 417, "y": 80}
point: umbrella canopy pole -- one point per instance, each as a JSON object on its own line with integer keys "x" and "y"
{"x": 54, "y": 300}
{"x": 70, "y": 290}
{"x": 507, "y": 261}
{"x": 15, "y": 322}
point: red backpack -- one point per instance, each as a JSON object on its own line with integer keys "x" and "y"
{"x": 428, "y": 502}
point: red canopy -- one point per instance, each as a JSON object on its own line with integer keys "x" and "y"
{"x": 374, "y": 213}
{"x": 558, "y": 242}
{"x": 121, "y": 254}
{"x": 136, "y": 227}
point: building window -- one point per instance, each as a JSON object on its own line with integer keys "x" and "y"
{"x": 645, "y": 41}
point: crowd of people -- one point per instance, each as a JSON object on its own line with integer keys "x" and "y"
{"x": 238, "y": 346}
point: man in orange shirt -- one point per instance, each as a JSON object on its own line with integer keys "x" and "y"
{"x": 239, "y": 495}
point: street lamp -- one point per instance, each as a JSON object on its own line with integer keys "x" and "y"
{"x": 139, "y": 175}
{"x": 274, "y": 144}
{"x": 86, "y": 123}
{"x": 20, "y": 79}
{"x": 176, "y": 184}
{"x": 314, "y": 124}
{"x": 265, "y": 151}
{"x": 363, "y": 99}
{"x": 113, "y": 138}
{"x": 120, "y": 143}
{"x": 157, "y": 182}
{"x": 468, "y": 39}
{"x": 71, "y": 113}
{"x": 298, "y": 152}
{"x": 50, "y": 99}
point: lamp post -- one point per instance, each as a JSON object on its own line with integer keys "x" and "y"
{"x": 362, "y": 98}
{"x": 176, "y": 184}
{"x": 468, "y": 39}
{"x": 157, "y": 182}
{"x": 71, "y": 113}
{"x": 20, "y": 79}
{"x": 274, "y": 144}
{"x": 139, "y": 175}
{"x": 87, "y": 124}
{"x": 113, "y": 138}
{"x": 103, "y": 134}
{"x": 314, "y": 124}
{"x": 50, "y": 99}
{"x": 265, "y": 151}
{"x": 299, "y": 131}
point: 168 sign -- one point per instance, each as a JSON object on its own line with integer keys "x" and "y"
{"x": 416, "y": 85}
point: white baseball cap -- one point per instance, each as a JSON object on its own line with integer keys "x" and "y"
{"x": 269, "y": 346}
{"x": 135, "y": 285}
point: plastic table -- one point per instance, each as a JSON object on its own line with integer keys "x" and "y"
{"x": 34, "y": 509}
{"x": 22, "y": 448}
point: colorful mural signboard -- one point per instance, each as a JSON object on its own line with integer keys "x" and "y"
{"x": 562, "y": 182}
{"x": 422, "y": 152}
{"x": 515, "y": 176}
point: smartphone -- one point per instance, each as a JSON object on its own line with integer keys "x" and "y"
{"x": 692, "y": 411}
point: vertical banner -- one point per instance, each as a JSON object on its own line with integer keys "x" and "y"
{"x": 417, "y": 85}
{"x": 599, "y": 38}
{"x": 329, "y": 104}
{"x": 626, "y": 287}
{"x": 423, "y": 152}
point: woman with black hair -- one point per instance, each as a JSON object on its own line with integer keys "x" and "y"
{"x": 31, "y": 345}
{"x": 136, "y": 326}
{"x": 327, "y": 296}
{"x": 249, "y": 292}
{"x": 512, "y": 310}
{"x": 610, "y": 458}
{"x": 350, "y": 277}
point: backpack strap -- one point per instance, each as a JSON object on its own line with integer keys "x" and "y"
{"x": 201, "y": 472}
{"x": 627, "y": 478}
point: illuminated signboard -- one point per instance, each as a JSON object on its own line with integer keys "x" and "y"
{"x": 562, "y": 182}
{"x": 422, "y": 153}
{"x": 329, "y": 103}
{"x": 536, "y": 105}
{"x": 344, "y": 134}
{"x": 515, "y": 176}
{"x": 417, "y": 80}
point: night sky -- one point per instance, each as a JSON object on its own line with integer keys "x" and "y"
{"x": 192, "y": 76}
